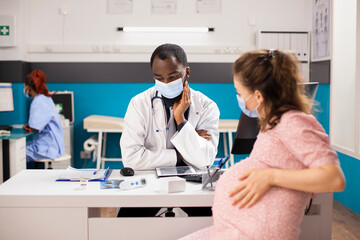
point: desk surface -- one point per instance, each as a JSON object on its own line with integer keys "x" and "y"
{"x": 38, "y": 188}
{"x": 16, "y": 133}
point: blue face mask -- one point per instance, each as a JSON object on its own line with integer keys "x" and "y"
{"x": 242, "y": 104}
{"x": 26, "y": 95}
{"x": 170, "y": 90}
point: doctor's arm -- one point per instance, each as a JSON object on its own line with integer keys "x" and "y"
{"x": 135, "y": 151}
{"x": 199, "y": 148}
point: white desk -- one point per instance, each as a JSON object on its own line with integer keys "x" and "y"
{"x": 104, "y": 124}
{"x": 45, "y": 209}
{"x": 34, "y": 206}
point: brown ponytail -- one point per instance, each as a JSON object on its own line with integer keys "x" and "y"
{"x": 275, "y": 74}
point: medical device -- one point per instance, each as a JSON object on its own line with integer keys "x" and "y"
{"x": 132, "y": 183}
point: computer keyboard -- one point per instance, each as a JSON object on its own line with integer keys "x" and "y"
{"x": 193, "y": 178}
{"x": 6, "y": 127}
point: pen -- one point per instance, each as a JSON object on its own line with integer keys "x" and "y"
{"x": 95, "y": 172}
{"x": 219, "y": 162}
{"x": 225, "y": 160}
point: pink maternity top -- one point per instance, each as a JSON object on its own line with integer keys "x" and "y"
{"x": 297, "y": 142}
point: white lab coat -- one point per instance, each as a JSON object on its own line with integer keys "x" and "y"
{"x": 143, "y": 141}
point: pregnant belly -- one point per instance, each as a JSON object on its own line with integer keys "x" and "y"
{"x": 277, "y": 214}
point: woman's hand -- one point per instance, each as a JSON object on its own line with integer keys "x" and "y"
{"x": 26, "y": 126}
{"x": 254, "y": 184}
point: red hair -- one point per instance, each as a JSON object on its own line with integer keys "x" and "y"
{"x": 39, "y": 79}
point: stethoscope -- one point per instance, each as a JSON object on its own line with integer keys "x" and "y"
{"x": 152, "y": 107}
{"x": 158, "y": 129}
{"x": 156, "y": 97}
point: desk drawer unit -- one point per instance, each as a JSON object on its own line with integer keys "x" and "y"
{"x": 17, "y": 148}
{"x": 43, "y": 223}
{"x": 156, "y": 228}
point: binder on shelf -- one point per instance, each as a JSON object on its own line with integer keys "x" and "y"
{"x": 73, "y": 174}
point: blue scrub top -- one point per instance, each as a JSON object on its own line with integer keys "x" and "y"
{"x": 49, "y": 141}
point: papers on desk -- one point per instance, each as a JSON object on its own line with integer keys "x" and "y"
{"x": 73, "y": 174}
{"x": 4, "y": 133}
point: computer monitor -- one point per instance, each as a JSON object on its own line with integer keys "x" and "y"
{"x": 6, "y": 101}
{"x": 64, "y": 102}
{"x": 6, "y": 97}
{"x": 248, "y": 128}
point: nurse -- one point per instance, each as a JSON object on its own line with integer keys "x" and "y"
{"x": 169, "y": 124}
{"x": 44, "y": 120}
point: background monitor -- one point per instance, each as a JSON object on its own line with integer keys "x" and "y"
{"x": 248, "y": 128}
{"x": 64, "y": 102}
{"x": 6, "y": 97}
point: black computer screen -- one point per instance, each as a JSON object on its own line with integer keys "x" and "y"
{"x": 64, "y": 100}
{"x": 248, "y": 128}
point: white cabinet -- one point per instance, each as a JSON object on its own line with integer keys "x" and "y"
{"x": 295, "y": 41}
{"x": 17, "y": 148}
{"x": 15, "y": 157}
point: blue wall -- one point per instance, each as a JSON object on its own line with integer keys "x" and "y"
{"x": 351, "y": 196}
{"x": 112, "y": 99}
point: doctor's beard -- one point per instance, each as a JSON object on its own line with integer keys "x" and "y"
{"x": 171, "y": 101}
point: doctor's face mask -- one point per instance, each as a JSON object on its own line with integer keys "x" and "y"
{"x": 170, "y": 90}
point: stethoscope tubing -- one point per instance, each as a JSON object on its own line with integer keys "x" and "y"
{"x": 152, "y": 107}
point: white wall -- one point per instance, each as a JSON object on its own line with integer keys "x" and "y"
{"x": 14, "y": 8}
{"x": 345, "y": 78}
{"x": 88, "y": 25}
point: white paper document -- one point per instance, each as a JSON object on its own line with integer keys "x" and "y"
{"x": 73, "y": 174}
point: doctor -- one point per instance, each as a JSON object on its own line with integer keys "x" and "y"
{"x": 170, "y": 124}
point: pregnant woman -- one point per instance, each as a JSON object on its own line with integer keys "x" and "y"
{"x": 265, "y": 195}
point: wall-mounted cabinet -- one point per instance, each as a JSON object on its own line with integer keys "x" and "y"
{"x": 295, "y": 41}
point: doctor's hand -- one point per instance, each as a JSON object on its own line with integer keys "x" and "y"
{"x": 204, "y": 134}
{"x": 183, "y": 105}
{"x": 253, "y": 185}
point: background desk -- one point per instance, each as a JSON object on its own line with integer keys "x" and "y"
{"x": 12, "y": 153}
{"x": 34, "y": 206}
{"x": 227, "y": 127}
{"x": 115, "y": 125}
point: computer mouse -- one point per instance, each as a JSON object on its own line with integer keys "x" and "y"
{"x": 126, "y": 171}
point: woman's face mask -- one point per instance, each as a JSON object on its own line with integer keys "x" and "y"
{"x": 242, "y": 104}
{"x": 26, "y": 93}
{"x": 170, "y": 90}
